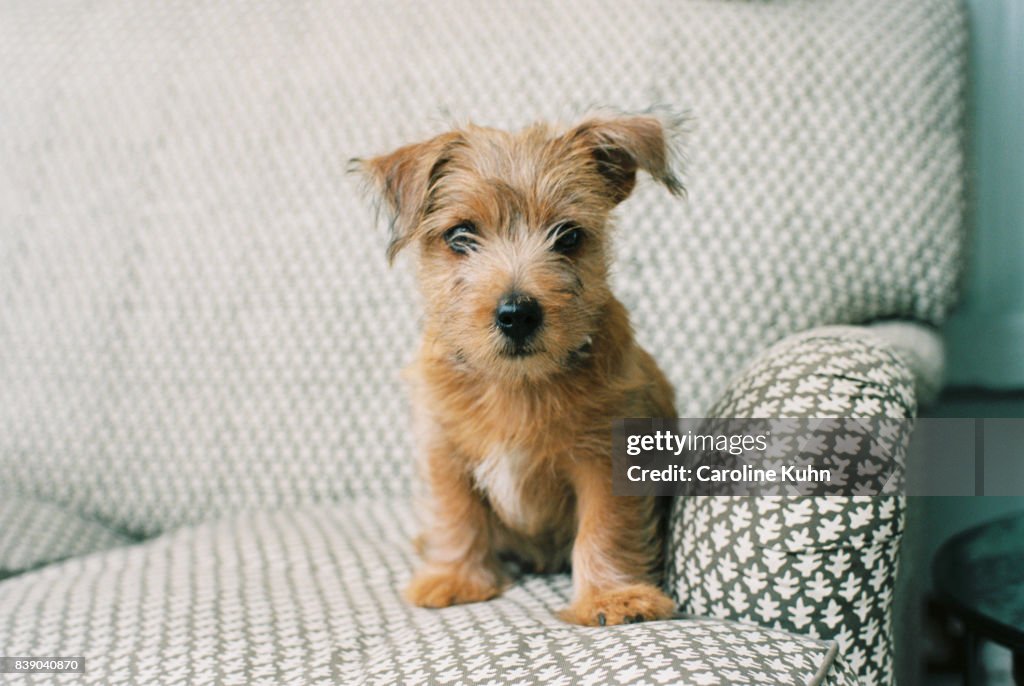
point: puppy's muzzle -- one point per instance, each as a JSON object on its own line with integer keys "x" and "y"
{"x": 518, "y": 317}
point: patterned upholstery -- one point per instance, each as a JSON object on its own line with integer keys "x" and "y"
{"x": 34, "y": 533}
{"x": 196, "y": 318}
{"x": 311, "y": 596}
{"x": 196, "y": 312}
{"x": 823, "y": 566}
{"x": 921, "y": 349}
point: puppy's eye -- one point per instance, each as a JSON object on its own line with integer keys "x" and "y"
{"x": 461, "y": 238}
{"x": 568, "y": 237}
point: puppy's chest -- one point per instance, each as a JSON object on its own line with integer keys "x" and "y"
{"x": 514, "y": 487}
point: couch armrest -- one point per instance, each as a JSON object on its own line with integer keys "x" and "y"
{"x": 823, "y": 566}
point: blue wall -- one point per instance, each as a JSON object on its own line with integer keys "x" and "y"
{"x": 986, "y": 337}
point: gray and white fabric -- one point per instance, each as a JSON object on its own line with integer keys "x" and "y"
{"x": 34, "y": 533}
{"x": 196, "y": 311}
{"x": 311, "y": 595}
{"x": 197, "y": 320}
{"x": 921, "y": 349}
{"x": 821, "y": 566}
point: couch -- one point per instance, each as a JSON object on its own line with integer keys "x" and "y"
{"x": 205, "y": 470}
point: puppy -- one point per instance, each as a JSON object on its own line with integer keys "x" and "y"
{"x": 527, "y": 357}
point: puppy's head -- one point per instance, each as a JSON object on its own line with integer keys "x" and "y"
{"x": 512, "y": 232}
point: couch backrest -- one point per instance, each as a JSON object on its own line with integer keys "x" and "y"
{"x": 195, "y": 311}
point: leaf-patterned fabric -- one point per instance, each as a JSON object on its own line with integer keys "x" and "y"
{"x": 822, "y": 566}
{"x": 311, "y": 596}
{"x": 197, "y": 319}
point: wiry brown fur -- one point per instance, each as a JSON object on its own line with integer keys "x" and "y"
{"x": 516, "y": 449}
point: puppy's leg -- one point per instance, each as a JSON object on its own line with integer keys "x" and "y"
{"x": 614, "y": 554}
{"x": 460, "y": 565}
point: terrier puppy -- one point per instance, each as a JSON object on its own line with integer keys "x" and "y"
{"x": 527, "y": 357}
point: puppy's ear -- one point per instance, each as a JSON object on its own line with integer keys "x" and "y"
{"x": 623, "y": 143}
{"x": 401, "y": 182}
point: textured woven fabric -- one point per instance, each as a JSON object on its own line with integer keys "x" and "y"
{"x": 195, "y": 312}
{"x": 34, "y": 533}
{"x": 311, "y": 596}
{"x": 923, "y": 351}
{"x": 823, "y": 566}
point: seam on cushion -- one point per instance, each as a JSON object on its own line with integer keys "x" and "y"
{"x": 879, "y": 390}
{"x": 71, "y": 512}
{"x": 883, "y": 347}
{"x": 119, "y": 538}
{"x": 835, "y": 333}
{"x": 889, "y": 540}
{"x": 826, "y": 665}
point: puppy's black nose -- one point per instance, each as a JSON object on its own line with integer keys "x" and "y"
{"x": 518, "y": 316}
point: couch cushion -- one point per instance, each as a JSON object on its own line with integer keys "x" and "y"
{"x": 312, "y": 595}
{"x": 34, "y": 533}
{"x": 195, "y": 311}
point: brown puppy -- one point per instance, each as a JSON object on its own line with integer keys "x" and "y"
{"x": 527, "y": 357}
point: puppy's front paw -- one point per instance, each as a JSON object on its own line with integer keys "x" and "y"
{"x": 444, "y": 586}
{"x": 623, "y": 605}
